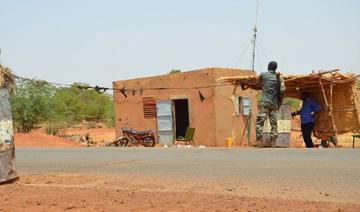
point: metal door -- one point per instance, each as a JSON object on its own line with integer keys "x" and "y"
{"x": 164, "y": 122}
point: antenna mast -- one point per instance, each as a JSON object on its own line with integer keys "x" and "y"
{"x": 254, "y": 37}
{"x": 248, "y": 122}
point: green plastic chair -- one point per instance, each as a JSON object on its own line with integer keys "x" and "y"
{"x": 355, "y": 136}
{"x": 189, "y": 136}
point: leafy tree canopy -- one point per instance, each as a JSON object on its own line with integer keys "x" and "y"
{"x": 175, "y": 71}
{"x": 36, "y": 102}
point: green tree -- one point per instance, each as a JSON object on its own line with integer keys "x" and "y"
{"x": 36, "y": 102}
{"x": 31, "y": 104}
{"x": 68, "y": 105}
{"x": 77, "y": 104}
{"x": 293, "y": 102}
{"x": 175, "y": 71}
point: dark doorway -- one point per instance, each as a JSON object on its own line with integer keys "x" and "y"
{"x": 181, "y": 116}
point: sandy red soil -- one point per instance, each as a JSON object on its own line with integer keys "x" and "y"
{"x": 84, "y": 192}
{"x": 39, "y": 138}
{"x": 102, "y": 134}
{"x": 79, "y": 192}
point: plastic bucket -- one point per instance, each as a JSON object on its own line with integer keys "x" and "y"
{"x": 228, "y": 142}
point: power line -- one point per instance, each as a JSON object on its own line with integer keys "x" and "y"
{"x": 238, "y": 61}
{"x": 262, "y": 50}
{"x": 259, "y": 58}
{"x": 122, "y": 90}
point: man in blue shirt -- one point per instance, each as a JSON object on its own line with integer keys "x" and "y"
{"x": 307, "y": 112}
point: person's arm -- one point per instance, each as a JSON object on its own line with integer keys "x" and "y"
{"x": 280, "y": 88}
{"x": 282, "y": 85}
{"x": 261, "y": 78}
{"x": 293, "y": 114}
{"x": 315, "y": 107}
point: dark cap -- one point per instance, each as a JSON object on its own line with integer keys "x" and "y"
{"x": 272, "y": 66}
{"x": 304, "y": 95}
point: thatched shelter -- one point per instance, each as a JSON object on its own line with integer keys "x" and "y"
{"x": 336, "y": 93}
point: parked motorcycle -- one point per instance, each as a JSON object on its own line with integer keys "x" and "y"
{"x": 133, "y": 137}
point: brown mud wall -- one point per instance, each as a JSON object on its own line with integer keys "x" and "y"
{"x": 228, "y": 124}
{"x": 201, "y": 117}
{"x": 212, "y": 118}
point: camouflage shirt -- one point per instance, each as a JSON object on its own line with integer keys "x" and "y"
{"x": 269, "y": 85}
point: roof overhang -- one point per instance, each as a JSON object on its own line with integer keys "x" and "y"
{"x": 295, "y": 83}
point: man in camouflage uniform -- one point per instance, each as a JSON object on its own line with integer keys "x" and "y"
{"x": 273, "y": 88}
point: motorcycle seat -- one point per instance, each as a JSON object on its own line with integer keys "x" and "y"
{"x": 143, "y": 132}
{"x": 132, "y": 131}
{"x": 129, "y": 130}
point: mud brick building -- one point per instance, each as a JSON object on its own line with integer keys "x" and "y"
{"x": 170, "y": 103}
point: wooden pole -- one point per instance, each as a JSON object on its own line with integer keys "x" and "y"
{"x": 233, "y": 118}
{"x": 354, "y": 115}
{"x": 329, "y": 107}
{"x": 332, "y": 115}
{"x": 355, "y": 103}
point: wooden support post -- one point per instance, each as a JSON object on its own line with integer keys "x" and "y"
{"x": 332, "y": 115}
{"x": 235, "y": 87}
{"x": 329, "y": 107}
{"x": 355, "y": 116}
{"x": 232, "y": 121}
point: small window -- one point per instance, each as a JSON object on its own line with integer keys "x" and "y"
{"x": 246, "y": 105}
{"x": 149, "y": 105}
{"x": 242, "y": 105}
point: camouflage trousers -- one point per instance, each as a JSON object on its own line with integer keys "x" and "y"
{"x": 267, "y": 109}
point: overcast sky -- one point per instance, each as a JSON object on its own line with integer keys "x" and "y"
{"x": 97, "y": 42}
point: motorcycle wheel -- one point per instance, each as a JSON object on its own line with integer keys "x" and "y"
{"x": 122, "y": 142}
{"x": 148, "y": 142}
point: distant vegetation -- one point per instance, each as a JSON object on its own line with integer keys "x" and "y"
{"x": 36, "y": 102}
{"x": 293, "y": 103}
{"x": 175, "y": 71}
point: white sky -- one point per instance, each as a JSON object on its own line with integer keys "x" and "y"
{"x": 98, "y": 42}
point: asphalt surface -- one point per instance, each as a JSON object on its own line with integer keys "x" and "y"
{"x": 331, "y": 170}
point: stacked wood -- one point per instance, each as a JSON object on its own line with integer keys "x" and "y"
{"x": 334, "y": 91}
{"x": 6, "y": 77}
{"x": 294, "y": 83}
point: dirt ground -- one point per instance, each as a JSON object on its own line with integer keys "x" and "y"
{"x": 83, "y": 192}
{"x": 102, "y": 135}
{"x": 38, "y": 138}
{"x": 77, "y": 192}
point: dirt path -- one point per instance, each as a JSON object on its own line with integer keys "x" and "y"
{"x": 38, "y": 138}
{"x": 76, "y": 192}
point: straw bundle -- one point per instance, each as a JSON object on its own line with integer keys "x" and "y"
{"x": 6, "y": 78}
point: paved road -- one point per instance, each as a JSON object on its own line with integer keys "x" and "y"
{"x": 335, "y": 170}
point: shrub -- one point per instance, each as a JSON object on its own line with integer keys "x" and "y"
{"x": 36, "y": 102}
{"x": 56, "y": 128}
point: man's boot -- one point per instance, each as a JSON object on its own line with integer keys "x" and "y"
{"x": 258, "y": 142}
{"x": 273, "y": 143}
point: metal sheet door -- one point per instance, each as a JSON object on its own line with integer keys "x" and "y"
{"x": 164, "y": 122}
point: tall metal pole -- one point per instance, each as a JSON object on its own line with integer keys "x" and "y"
{"x": 253, "y": 69}
{"x": 254, "y": 37}
{"x": 253, "y": 50}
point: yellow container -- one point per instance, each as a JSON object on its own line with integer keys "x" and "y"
{"x": 229, "y": 142}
